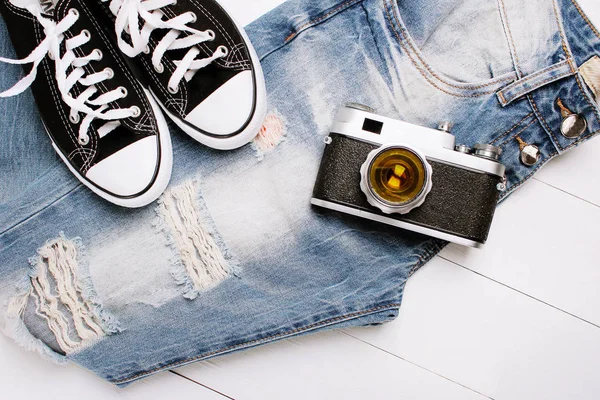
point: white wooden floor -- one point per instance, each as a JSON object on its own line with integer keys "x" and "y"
{"x": 517, "y": 320}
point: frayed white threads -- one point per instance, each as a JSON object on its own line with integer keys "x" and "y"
{"x": 15, "y": 328}
{"x": 201, "y": 265}
{"x": 63, "y": 297}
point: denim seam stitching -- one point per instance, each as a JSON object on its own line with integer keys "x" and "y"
{"x": 569, "y": 54}
{"x": 425, "y": 257}
{"x": 512, "y": 188}
{"x": 258, "y": 341}
{"x": 372, "y": 32}
{"x": 507, "y": 32}
{"x": 501, "y": 96}
{"x": 293, "y": 35}
{"x": 541, "y": 118}
{"x": 587, "y": 99}
{"x": 585, "y": 18}
{"x": 582, "y": 139}
{"x": 40, "y": 210}
{"x": 563, "y": 39}
{"x": 568, "y": 61}
{"x": 406, "y": 36}
{"x": 515, "y": 126}
{"x": 415, "y": 64}
{"x": 509, "y": 98}
{"x": 517, "y": 134}
{"x": 321, "y": 18}
{"x": 538, "y": 85}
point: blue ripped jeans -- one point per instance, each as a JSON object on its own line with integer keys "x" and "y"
{"x": 233, "y": 255}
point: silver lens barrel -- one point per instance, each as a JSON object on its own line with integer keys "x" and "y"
{"x": 395, "y": 152}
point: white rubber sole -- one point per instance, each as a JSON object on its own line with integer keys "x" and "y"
{"x": 254, "y": 125}
{"x": 164, "y": 173}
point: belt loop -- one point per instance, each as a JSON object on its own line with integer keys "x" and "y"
{"x": 536, "y": 80}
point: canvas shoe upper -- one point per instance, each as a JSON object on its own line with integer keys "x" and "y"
{"x": 199, "y": 63}
{"x": 103, "y": 124}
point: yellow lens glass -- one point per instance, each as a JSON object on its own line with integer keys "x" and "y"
{"x": 397, "y": 175}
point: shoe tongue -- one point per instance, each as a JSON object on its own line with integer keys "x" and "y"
{"x": 49, "y": 6}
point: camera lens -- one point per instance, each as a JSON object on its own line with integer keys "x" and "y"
{"x": 397, "y": 175}
{"x": 396, "y": 179}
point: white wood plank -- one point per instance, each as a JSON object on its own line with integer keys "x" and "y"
{"x": 247, "y": 11}
{"x": 323, "y": 366}
{"x": 545, "y": 243}
{"x": 491, "y": 338}
{"x": 23, "y": 375}
{"x": 576, "y": 171}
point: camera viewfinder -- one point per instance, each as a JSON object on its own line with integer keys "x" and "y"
{"x": 372, "y": 126}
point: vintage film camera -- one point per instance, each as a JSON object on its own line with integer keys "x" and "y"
{"x": 409, "y": 176}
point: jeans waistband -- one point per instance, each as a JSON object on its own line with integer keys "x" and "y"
{"x": 567, "y": 40}
{"x": 549, "y": 40}
{"x": 551, "y": 84}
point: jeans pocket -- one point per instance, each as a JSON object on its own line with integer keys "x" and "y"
{"x": 460, "y": 48}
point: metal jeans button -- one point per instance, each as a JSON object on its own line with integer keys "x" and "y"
{"x": 573, "y": 125}
{"x": 530, "y": 153}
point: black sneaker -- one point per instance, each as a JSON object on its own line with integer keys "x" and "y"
{"x": 104, "y": 125}
{"x": 199, "y": 65}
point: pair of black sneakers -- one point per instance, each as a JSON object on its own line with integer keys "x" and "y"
{"x": 104, "y": 72}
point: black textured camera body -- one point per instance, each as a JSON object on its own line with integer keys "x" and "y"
{"x": 461, "y": 203}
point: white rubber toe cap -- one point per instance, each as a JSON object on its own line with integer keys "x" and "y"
{"x": 227, "y": 109}
{"x": 129, "y": 171}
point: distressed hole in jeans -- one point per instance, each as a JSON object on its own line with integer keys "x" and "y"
{"x": 270, "y": 135}
{"x": 200, "y": 260}
{"x": 56, "y": 312}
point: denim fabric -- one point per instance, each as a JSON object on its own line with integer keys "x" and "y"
{"x": 233, "y": 255}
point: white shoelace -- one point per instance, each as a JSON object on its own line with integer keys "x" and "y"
{"x": 51, "y": 46}
{"x": 129, "y": 12}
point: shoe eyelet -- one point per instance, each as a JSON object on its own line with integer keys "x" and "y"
{"x": 211, "y": 34}
{"x": 123, "y": 91}
{"x": 160, "y": 69}
{"x": 136, "y": 111}
{"x": 174, "y": 90}
{"x": 50, "y": 55}
{"x": 194, "y": 17}
{"x": 83, "y": 140}
{"x": 147, "y": 50}
{"x": 99, "y": 54}
{"x": 110, "y": 72}
{"x": 74, "y": 12}
{"x": 223, "y": 50}
{"x": 74, "y": 118}
{"x": 86, "y": 33}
